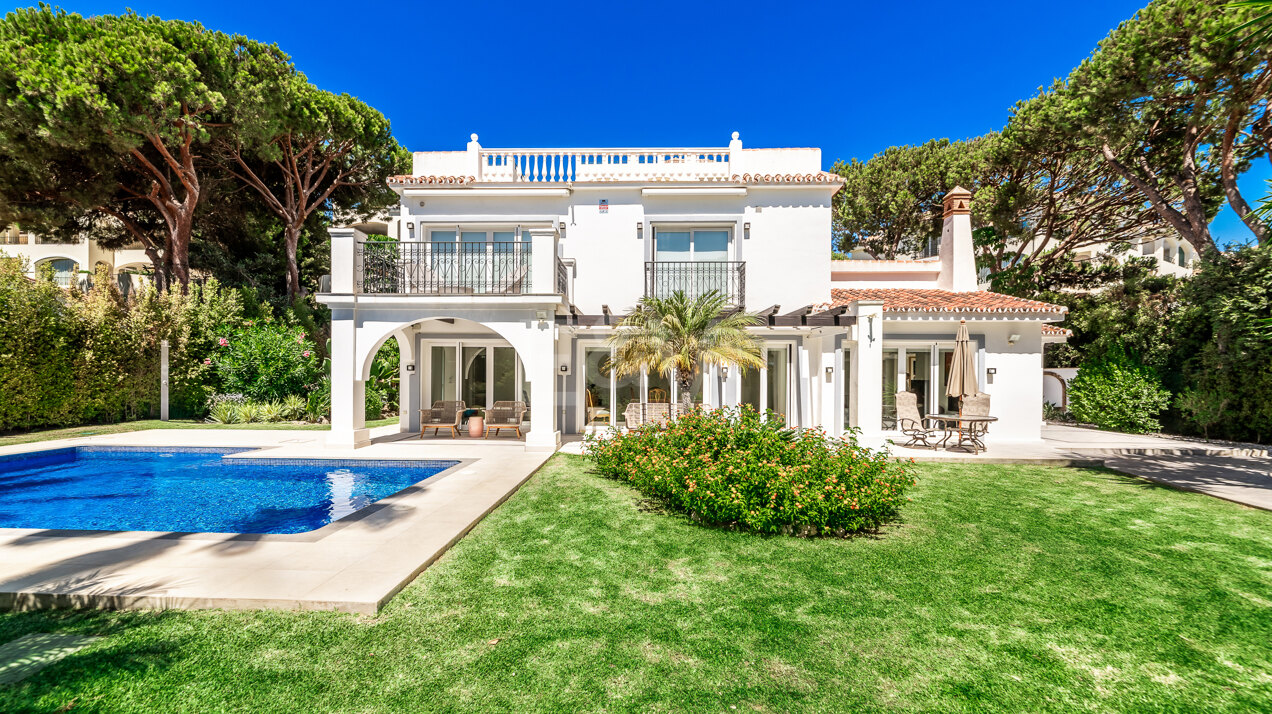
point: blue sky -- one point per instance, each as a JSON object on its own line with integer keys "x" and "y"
{"x": 851, "y": 78}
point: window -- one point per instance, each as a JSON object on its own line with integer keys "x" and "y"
{"x": 64, "y": 270}
{"x": 694, "y": 261}
{"x": 691, "y": 245}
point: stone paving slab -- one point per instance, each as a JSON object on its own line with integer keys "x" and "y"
{"x": 354, "y": 565}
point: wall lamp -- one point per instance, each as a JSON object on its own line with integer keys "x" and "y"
{"x": 640, "y": 227}
{"x": 724, "y": 372}
{"x": 870, "y": 324}
{"x": 830, "y": 373}
{"x": 1013, "y": 339}
{"x": 746, "y": 231}
{"x": 410, "y": 368}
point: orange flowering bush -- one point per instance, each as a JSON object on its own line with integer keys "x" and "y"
{"x": 731, "y": 467}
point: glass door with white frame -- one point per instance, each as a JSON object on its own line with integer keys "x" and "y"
{"x": 691, "y": 260}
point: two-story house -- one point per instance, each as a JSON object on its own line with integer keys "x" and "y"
{"x": 504, "y": 272}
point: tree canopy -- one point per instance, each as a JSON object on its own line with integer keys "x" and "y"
{"x": 1145, "y": 137}
{"x": 124, "y": 127}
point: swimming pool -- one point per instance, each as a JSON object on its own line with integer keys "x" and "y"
{"x": 192, "y": 490}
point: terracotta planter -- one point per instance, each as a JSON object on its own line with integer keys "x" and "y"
{"x": 476, "y": 426}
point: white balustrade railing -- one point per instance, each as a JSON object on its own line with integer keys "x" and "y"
{"x": 564, "y": 165}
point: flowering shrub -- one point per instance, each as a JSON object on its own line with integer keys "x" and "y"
{"x": 731, "y": 467}
{"x": 266, "y": 362}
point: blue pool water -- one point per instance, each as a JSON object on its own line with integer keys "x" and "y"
{"x": 192, "y": 490}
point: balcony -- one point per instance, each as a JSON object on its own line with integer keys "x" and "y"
{"x": 694, "y": 278}
{"x": 389, "y": 267}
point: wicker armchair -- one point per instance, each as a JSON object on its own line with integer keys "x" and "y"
{"x": 976, "y": 405}
{"x": 505, "y": 415}
{"x": 910, "y": 422}
{"x": 443, "y": 415}
{"x": 637, "y": 414}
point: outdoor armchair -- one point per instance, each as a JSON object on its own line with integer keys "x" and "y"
{"x": 443, "y": 415}
{"x": 910, "y": 422}
{"x": 505, "y": 415}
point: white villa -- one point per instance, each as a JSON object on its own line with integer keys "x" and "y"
{"x": 505, "y": 270}
{"x": 74, "y": 263}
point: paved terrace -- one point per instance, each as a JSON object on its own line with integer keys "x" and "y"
{"x": 353, "y": 565}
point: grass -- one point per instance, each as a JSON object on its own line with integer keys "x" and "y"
{"x": 72, "y": 432}
{"x": 1004, "y": 588}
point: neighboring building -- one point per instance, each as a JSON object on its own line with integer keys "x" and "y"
{"x": 76, "y": 263}
{"x": 1175, "y": 256}
{"x": 506, "y": 270}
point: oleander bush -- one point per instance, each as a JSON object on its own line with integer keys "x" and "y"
{"x": 266, "y": 361}
{"x": 730, "y": 467}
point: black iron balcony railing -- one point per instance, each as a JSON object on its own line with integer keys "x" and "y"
{"x": 662, "y": 278}
{"x": 563, "y": 278}
{"x": 437, "y": 268}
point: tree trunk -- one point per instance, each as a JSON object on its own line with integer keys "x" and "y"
{"x": 182, "y": 227}
{"x": 291, "y": 239}
{"x": 1183, "y": 224}
{"x": 685, "y": 385}
{"x": 1228, "y": 174}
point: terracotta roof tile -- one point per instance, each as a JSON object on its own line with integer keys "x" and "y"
{"x": 1057, "y": 331}
{"x": 924, "y": 300}
{"x": 431, "y": 180}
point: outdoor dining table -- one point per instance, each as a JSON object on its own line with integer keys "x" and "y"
{"x": 969, "y": 429}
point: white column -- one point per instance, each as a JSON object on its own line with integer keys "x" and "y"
{"x": 408, "y": 383}
{"x": 829, "y": 402}
{"x": 543, "y": 254}
{"x": 348, "y": 391}
{"x": 342, "y": 260}
{"x": 867, "y": 392}
{"x": 540, "y": 364}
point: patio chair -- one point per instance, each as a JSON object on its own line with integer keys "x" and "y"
{"x": 505, "y": 415}
{"x": 443, "y": 415}
{"x": 595, "y": 412}
{"x": 976, "y": 405}
{"x": 657, "y": 396}
{"x": 637, "y": 414}
{"x": 910, "y": 422}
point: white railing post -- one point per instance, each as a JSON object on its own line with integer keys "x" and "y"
{"x": 543, "y": 255}
{"x": 735, "y": 157}
{"x": 343, "y": 251}
{"x": 474, "y": 157}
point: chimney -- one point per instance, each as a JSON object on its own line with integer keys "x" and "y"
{"x": 958, "y": 259}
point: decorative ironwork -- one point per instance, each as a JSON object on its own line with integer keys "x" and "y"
{"x": 563, "y": 278}
{"x": 439, "y": 268}
{"x": 662, "y": 278}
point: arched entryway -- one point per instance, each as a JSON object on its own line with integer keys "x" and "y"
{"x": 479, "y": 359}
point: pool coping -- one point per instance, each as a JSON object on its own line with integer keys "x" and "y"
{"x": 355, "y": 564}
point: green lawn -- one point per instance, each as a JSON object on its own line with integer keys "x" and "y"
{"x": 71, "y": 432}
{"x": 1009, "y": 588}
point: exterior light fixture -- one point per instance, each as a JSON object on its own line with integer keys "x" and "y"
{"x": 991, "y": 371}
{"x": 640, "y": 226}
{"x": 724, "y": 372}
{"x": 561, "y": 225}
{"x": 410, "y": 368}
{"x": 1013, "y": 339}
{"x": 830, "y": 373}
{"x": 410, "y": 230}
{"x": 870, "y": 324}
{"x": 746, "y": 230}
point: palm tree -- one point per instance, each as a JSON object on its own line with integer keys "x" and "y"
{"x": 676, "y": 334}
{"x": 1260, "y": 24}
